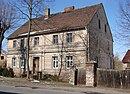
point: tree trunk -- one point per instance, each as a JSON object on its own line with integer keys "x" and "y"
{"x": 28, "y": 39}
{"x": 61, "y": 56}
{"x": 61, "y": 65}
{"x": 1, "y": 39}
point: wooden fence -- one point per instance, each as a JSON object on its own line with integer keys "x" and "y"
{"x": 113, "y": 78}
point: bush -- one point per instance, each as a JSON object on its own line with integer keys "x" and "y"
{"x": 7, "y": 72}
{"x": 49, "y": 77}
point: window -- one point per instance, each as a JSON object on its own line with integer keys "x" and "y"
{"x": 14, "y": 43}
{"x": 22, "y": 43}
{"x": 55, "y": 39}
{"x": 99, "y": 24}
{"x": 55, "y": 62}
{"x": 22, "y": 62}
{"x": 36, "y": 41}
{"x": 96, "y": 59}
{"x": 14, "y": 61}
{"x": 105, "y": 28}
{"x": 69, "y": 61}
{"x": 2, "y": 57}
{"x": 69, "y": 38}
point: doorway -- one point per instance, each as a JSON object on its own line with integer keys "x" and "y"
{"x": 35, "y": 65}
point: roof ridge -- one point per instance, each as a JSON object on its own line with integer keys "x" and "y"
{"x": 71, "y": 10}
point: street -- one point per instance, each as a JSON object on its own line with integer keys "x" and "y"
{"x": 23, "y": 86}
{"x": 4, "y": 89}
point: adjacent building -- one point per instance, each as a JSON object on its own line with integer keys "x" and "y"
{"x": 126, "y": 60}
{"x": 71, "y": 37}
{"x": 3, "y": 58}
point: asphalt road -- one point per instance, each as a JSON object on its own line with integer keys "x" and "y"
{"x": 20, "y": 86}
{"x": 4, "y": 89}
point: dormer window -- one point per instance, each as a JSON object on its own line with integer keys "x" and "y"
{"x": 36, "y": 41}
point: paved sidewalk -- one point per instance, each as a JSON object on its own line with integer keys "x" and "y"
{"x": 20, "y": 82}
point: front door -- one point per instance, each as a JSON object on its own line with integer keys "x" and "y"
{"x": 35, "y": 65}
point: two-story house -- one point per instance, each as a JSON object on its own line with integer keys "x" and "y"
{"x": 71, "y": 37}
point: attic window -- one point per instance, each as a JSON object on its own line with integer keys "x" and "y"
{"x": 105, "y": 28}
{"x": 2, "y": 57}
{"x": 99, "y": 24}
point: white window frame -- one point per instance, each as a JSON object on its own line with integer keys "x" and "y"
{"x": 55, "y": 63}
{"x": 69, "y": 38}
{"x": 69, "y": 61}
{"x": 36, "y": 41}
{"x": 14, "y": 62}
{"x": 55, "y": 39}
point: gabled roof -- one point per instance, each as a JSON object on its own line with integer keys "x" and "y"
{"x": 77, "y": 18}
{"x": 126, "y": 58}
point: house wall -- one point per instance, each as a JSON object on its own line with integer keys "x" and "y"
{"x": 46, "y": 50}
{"x": 75, "y": 49}
{"x": 101, "y": 42}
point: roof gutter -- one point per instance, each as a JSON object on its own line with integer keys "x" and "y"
{"x": 49, "y": 31}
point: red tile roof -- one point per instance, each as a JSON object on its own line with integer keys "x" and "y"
{"x": 126, "y": 58}
{"x": 77, "y": 18}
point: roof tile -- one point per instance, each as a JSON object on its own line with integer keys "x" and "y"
{"x": 126, "y": 58}
{"x": 59, "y": 21}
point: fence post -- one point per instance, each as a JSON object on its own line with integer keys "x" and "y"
{"x": 73, "y": 75}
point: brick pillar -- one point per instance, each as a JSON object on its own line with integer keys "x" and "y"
{"x": 90, "y": 74}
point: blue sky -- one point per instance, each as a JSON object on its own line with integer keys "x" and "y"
{"x": 112, "y": 12}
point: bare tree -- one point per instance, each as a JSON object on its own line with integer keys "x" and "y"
{"x": 124, "y": 20}
{"x": 7, "y": 19}
{"x": 117, "y": 64}
{"x": 63, "y": 49}
{"x": 30, "y": 9}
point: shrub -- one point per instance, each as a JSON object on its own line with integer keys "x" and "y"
{"x": 7, "y": 72}
{"x": 49, "y": 77}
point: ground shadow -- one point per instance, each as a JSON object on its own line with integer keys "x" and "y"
{"x": 2, "y": 92}
{"x": 92, "y": 93}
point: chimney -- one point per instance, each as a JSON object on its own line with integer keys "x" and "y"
{"x": 47, "y": 12}
{"x": 68, "y": 8}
